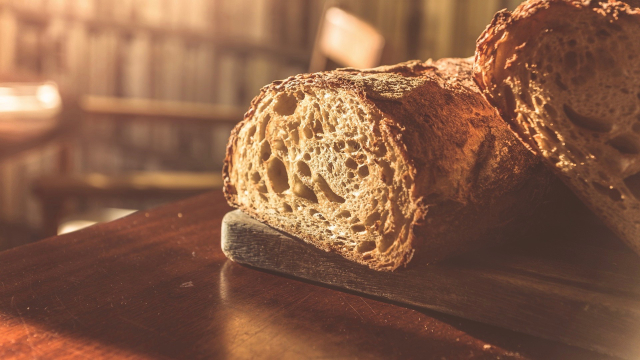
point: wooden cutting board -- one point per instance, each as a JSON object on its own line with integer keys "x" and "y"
{"x": 579, "y": 291}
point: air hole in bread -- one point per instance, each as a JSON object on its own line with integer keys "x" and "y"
{"x": 294, "y": 136}
{"x": 363, "y": 171}
{"x": 351, "y": 175}
{"x": 387, "y": 172}
{"x": 303, "y": 191}
{"x": 613, "y": 194}
{"x": 308, "y": 133}
{"x": 286, "y": 104}
{"x": 366, "y": 246}
{"x": 263, "y": 127}
{"x": 510, "y": 100}
{"x": 250, "y": 132}
{"x": 303, "y": 168}
{"x": 317, "y": 127}
{"x": 353, "y": 146}
{"x": 279, "y": 145}
{"x": 344, "y": 214}
{"x": 586, "y": 122}
{"x": 559, "y": 83}
{"x": 385, "y": 243}
{"x": 326, "y": 189}
{"x": 262, "y": 187}
{"x": 306, "y": 156}
{"x": 286, "y": 208}
{"x": 255, "y": 177}
{"x": 315, "y": 213}
{"x": 358, "y": 228}
{"x": 351, "y": 164}
{"x": 380, "y": 150}
{"x": 339, "y": 146}
{"x": 278, "y": 177}
{"x": 265, "y": 151}
{"x": 372, "y": 218}
{"x": 633, "y": 184}
{"x": 538, "y": 100}
{"x": 625, "y": 144}
{"x": 526, "y": 98}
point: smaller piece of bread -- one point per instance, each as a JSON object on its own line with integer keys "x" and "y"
{"x": 566, "y": 75}
{"x": 383, "y": 164}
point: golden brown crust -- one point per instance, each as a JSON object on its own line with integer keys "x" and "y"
{"x": 469, "y": 175}
{"x": 509, "y": 32}
{"x": 504, "y": 62}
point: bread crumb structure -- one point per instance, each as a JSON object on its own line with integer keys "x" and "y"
{"x": 375, "y": 164}
{"x": 566, "y": 75}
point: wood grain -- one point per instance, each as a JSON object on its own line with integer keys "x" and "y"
{"x": 156, "y": 285}
{"x": 587, "y": 299}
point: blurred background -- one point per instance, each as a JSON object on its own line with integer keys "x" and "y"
{"x": 112, "y": 106}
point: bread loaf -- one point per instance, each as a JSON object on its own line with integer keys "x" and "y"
{"x": 383, "y": 164}
{"x": 566, "y": 76}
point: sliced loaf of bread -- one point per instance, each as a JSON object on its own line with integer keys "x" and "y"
{"x": 383, "y": 164}
{"x": 566, "y": 76}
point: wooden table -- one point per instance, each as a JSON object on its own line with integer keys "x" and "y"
{"x": 156, "y": 285}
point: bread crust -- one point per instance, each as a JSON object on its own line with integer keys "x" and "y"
{"x": 511, "y": 31}
{"x": 470, "y": 178}
{"x": 501, "y": 54}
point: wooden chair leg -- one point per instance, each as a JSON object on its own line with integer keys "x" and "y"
{"x": 52, "y": 214}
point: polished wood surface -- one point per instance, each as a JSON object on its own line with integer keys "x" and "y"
{"x": 157, "y": 285}
{"x": 587, "y": 296}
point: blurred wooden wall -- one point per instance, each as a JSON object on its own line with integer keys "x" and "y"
{"x": 211, "y": 51}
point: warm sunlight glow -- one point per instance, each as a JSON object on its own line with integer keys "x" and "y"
{"x": 29, "y": 100}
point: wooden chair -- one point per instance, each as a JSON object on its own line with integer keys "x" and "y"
{"x": 347, "y": 41}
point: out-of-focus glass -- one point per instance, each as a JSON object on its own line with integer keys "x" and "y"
{"x": 28, "y": 109}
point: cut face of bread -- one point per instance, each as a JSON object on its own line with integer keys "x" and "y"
{"x": 319, "y": 156}
{"x": 566, "y": 75}
{"x": 380, "y": 164}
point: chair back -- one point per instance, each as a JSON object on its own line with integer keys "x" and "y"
{"x": 346, "y": 40}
